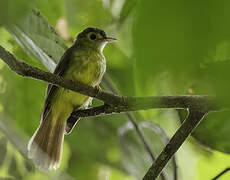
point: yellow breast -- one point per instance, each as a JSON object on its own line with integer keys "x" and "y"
{"x": 87, "y": 68}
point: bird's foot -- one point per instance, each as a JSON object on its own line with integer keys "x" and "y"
{"x": 98, "y": 88}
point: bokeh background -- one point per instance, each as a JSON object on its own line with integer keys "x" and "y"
{"x": 164, "y": 48}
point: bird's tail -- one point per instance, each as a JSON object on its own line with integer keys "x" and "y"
{"x": 45, "y": 146}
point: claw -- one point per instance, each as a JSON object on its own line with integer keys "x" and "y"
{"x": 98, "y": 88}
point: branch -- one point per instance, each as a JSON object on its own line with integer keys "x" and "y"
{"x": 194, "y": 118}
{"x": 118, "y": 103}
{"x": 221, "y": 174}
{"x": 205, "y": 103}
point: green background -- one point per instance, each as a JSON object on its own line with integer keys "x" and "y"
{"x": 164, "y": 48}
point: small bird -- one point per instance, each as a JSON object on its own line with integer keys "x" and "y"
{"x": 83, "y": 62}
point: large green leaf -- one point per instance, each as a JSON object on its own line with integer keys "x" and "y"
{"x": 39, "y": 38}
{"x": 52, "y": 10}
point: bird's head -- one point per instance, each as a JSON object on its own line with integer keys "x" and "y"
{"x": 94, "y": 38}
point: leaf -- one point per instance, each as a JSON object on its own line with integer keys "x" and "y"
{"x": 39, "y": 38}
{"x": 134, "y": 157}
{"x": 52, "y": 11}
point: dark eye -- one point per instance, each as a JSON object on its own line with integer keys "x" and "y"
{"x": 93, "y": 36}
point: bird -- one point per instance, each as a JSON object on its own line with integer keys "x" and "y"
{"x": 83, "y": 62}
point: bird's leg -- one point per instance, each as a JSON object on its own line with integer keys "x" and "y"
{"x": 98, "y": 88}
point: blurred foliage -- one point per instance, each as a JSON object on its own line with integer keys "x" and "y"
{"x": 182, "y": 38}
{"x": 135, "y": 158}
{"x": 11, "y": 10}
{"x": 164, "y": 47}
{"x": 213, "y": 131}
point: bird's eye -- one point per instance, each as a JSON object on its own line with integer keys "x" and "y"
{"x": 93, "y": 36}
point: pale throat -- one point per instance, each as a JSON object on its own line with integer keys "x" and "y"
{"x": 102, "y": 46}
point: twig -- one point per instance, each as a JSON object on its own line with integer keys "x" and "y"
{"x": 193, "y": 119}
{"x": 131, "y": 118}
{"x": 222, "y": 173}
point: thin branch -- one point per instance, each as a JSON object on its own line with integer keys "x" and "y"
{"x": 222, "y": 173}
{"x": 131, "y": 118}
{"x": 193, "y": 119}
{"x": 183, "y": 101}
{"x": 108, "y": 84}
{"x": 143, "y": 140}
{"x": 119, "y": 103}
{"x": 141, "y": 136}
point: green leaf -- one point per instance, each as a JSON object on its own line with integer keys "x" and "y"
{"x": 52, "y": 11}
{"x": 39, "y": 38}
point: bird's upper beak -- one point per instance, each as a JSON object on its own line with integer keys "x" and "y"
{"x": 110, "y": 40}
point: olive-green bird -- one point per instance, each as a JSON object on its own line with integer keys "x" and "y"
{"x": 82, "y": 62}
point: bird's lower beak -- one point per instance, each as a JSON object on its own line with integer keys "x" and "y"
{"x": 110, "y": 40}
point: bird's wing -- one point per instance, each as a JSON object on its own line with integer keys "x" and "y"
{"x": 60, "y": 69}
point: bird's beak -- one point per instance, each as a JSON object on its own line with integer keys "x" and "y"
{"x": 110, "y": 40}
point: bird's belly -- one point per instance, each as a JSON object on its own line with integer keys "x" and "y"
{"x": 68, "y": 98}
{"x": 91, "y": 74}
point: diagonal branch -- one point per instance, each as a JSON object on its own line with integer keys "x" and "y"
{"x": 221, "y": 174}
{"x": 194, "y": 118}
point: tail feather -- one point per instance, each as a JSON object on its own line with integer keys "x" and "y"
{"x": 45, "y": 146}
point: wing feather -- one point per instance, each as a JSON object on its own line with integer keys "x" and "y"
{"x": 60, "y": 70}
